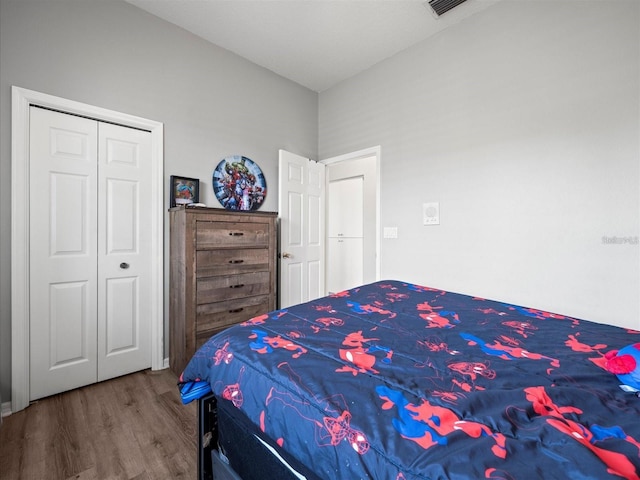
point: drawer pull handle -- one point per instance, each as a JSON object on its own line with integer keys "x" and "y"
{"x": 236, "y": 310}
{"x": 237, "y": 286}
{"x": 236, "y": 234}
{"x": 236, "y": 261}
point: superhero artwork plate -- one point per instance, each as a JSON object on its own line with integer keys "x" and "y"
{"x": 239, "y": 183}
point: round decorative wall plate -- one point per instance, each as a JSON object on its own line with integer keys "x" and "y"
{"x": 239, "y": 183}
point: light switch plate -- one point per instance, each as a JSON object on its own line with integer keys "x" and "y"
{"x": 431, "y": 213}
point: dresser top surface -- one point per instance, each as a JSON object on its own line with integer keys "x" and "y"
{"x": 220, "y": 211}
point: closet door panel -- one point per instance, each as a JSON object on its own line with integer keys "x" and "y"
{"x": 122, "y": 309}
{"x": 62, "y": 252}
{"x": 124, "y": 256}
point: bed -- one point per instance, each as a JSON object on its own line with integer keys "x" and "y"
{"x": 394, "y": 380}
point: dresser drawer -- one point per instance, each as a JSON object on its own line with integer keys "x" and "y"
{"x": 231, "y": 234}
{"x": 213, "y": 317}
{"x": 227, "y": 262}
{"x": 217, "y": 289}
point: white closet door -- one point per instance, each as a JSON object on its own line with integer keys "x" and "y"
{"x": 62, "y": 252}
{"x": 124, "y": 247}
{"x": 90, "y": 254}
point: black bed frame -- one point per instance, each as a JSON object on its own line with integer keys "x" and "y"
{"x": 228, "y": 448}
{"x": 207, "y": 435}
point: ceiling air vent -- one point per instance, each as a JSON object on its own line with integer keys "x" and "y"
{"x": 443, "y": 6}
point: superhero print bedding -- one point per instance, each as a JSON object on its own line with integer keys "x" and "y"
{"x": 399, "y": 381}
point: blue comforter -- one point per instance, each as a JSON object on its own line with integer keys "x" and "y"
{"x": 399, "y": 381}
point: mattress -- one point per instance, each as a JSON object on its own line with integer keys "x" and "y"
{"x": 394, "y": 380}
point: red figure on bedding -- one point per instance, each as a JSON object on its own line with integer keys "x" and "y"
{"x": 495, "y": 474}
{"x": 471, "y": 370}
{"x": 435, "y": 344}
{"x": 617, "y": 463}
{"x": 223, "y": 355}
{"x": 327, "y": 323}
{"x": 366, "y": 309}
{"x": 324, "y": 308}
{"x": 360, "y": 357}
{"x": 521, "y": 328}
{"x": 344, "y": 293}
{"x": 434, "y": 319}
{"x": 449, "y": 397}
{"x": 395, "y": 297}
{"x": 488, "y": 311}
{"x": 506, "y": 352}
{"x": 259, "y": 320}
{"x": 577, "y": 346}
{"x": 233, "y": 393}
{"x": 266, "y": 344}
{"x": 430, "y": 425}
{"x": 335, "y": 425}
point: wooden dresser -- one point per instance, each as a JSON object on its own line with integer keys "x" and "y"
{"x": 222, "y": 272}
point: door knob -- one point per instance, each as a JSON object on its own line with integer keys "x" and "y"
{"x": 124, "y": 265}
{"x": 286, "y": 255}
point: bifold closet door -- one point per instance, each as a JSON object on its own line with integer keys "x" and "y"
{"x": 89, "y": 266}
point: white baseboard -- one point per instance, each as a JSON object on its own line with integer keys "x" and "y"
{"x": 166, "y": 362}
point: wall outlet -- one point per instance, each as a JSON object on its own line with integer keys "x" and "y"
{"x": 390, "y": 232}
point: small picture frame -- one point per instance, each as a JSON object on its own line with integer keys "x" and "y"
{"x": 183, "y": 190}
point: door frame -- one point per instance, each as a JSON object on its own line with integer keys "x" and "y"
{"x": 21, "y": 100}
{"x": 366, "y": 152}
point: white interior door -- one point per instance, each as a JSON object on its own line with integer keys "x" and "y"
{"x": 89, "y": 252}
{"x": 302, "y": 212}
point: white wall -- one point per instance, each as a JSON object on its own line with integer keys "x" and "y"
{"x": 113, "y": 55}
{"x": 523, "y": 122}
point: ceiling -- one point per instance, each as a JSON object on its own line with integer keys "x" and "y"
{"x": 316, "y": 43}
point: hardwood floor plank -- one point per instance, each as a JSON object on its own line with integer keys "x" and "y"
{"x": 11, "y": 438}
{"x": 132, "y": 427}
{"x": 89, "y": 474}
{"x": 159, "y": 437}
{"x": 72, "y": 454}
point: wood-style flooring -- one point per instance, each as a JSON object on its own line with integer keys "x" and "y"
{"x": 132, "y": 427}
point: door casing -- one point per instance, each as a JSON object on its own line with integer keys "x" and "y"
{"x": 22, "y": 99}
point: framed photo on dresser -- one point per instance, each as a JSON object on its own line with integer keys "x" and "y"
{"x": 183, "y": 191}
